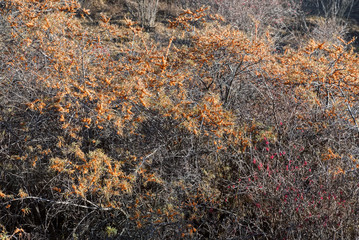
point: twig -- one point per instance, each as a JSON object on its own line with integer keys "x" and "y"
{"x": 74, "y": 231}
{"x": 95, "y": 207}
{"x": 144, "y": 159}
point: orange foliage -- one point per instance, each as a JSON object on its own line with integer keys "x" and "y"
{"x": 101, "y": 103}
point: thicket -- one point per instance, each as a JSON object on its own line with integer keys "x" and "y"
{"x": 217, "y": 134}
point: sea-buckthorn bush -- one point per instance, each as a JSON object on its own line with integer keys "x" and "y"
{"x": 107, "y": 134}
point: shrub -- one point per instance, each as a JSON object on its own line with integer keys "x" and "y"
{"x": 214, "y": 135}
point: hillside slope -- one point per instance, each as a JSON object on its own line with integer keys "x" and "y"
{"x": 191, "y": 128}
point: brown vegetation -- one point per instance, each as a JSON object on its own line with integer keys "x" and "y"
{"x": 210, "y": 132}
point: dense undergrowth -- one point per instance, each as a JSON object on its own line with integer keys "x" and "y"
{"x": 212, "y": 133}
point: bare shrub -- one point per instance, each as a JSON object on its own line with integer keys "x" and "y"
{"x": 254, "y": 17}
{"x": 330, "y": 8}
{"x": 328, "y": 29}
{"x": 145, "y": 11}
